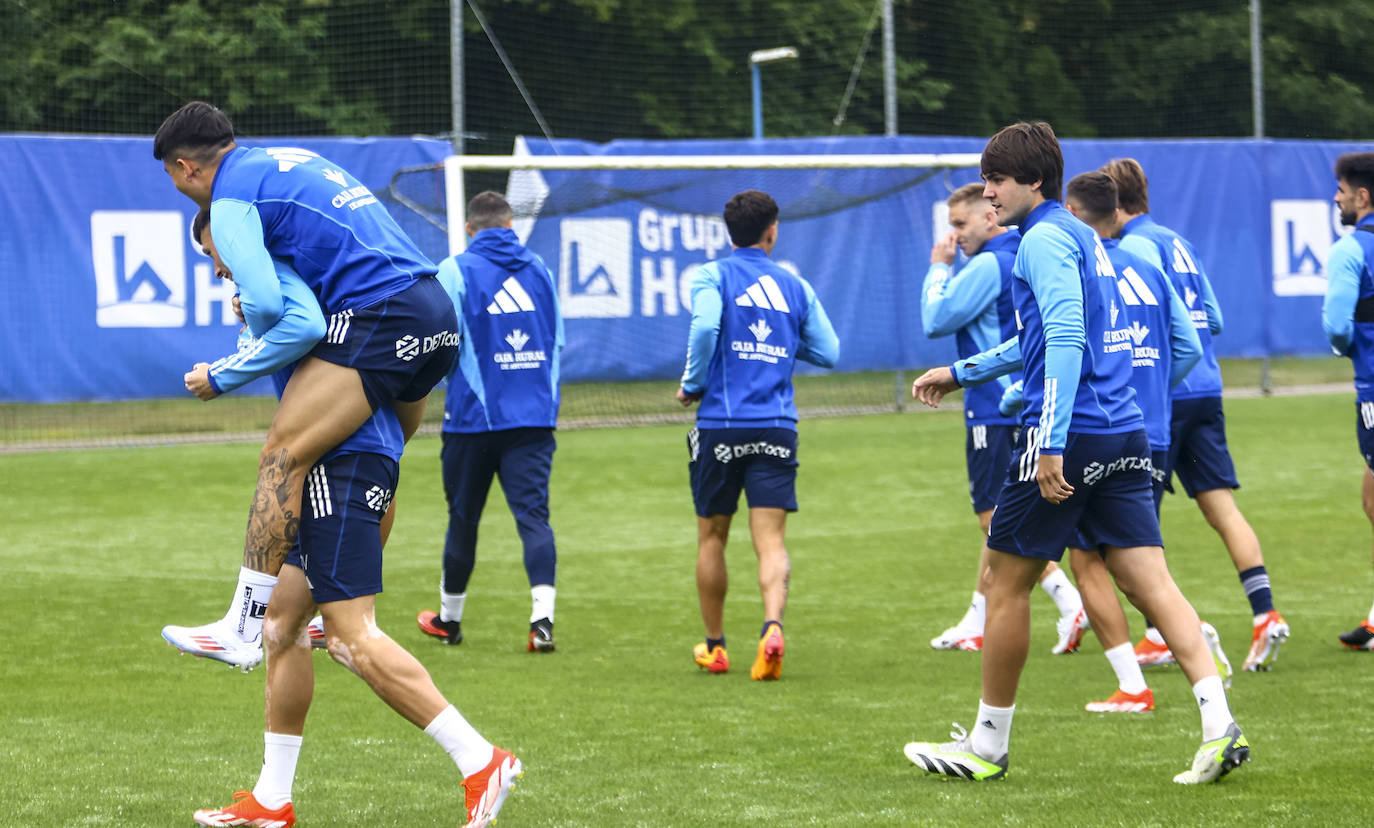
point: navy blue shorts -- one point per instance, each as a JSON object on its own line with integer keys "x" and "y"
{"x": 1111, "y": 504}
{"x": 401, "y": 346}
{"x": 340, "y": 542}
{"x": 1159, "y": 476}
{"x": 761, "y": 461}
{"x": 1364, "y": 430}
{"x": 1197, "y": 447}
{"x": 987, "y": 451}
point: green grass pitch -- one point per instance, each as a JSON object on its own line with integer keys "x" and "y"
{"x": 106, "y": 725}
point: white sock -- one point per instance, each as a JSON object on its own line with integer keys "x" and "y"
{"x": 459, "y": 740}
{"x": 279, "y": 755}
{"x": 1058, "y": 586}
{"x": 1370, "y": 619}
{"x": 1128, "y": 675}
{"x": 1212, "y": 704}
{"x": 542, "y": 597}
{"x": 992, "y": 731}
{"x": 251, "y": 595}
{"x": 1155, "y": 635}
{"x": 975, "y": 615}
{"x": 451, "y": 605}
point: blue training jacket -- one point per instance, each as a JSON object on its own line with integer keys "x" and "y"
{"x": 974, "y": 304}
{"x": 506, "y": 375}
{"x": 1174, "y": 255}
{"x": 1348, "y": 309}
{"x": 300, "y": 208}
{"x": 751, "y": 321}
{"x": 1072, "y": 339}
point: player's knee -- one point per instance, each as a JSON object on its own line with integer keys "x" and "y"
{"x": 280, "y": 633}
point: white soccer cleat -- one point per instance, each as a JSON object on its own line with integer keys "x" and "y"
{"x": 218, "y": 641}
{"x": 1217, "y": 758}
{"x": 1218, "y": 655}
{"x": 1071, "y": 629}
{"x": 1270, "y": 633}
{"x": 315, "y": 629}
{"x": 958, "y": 638}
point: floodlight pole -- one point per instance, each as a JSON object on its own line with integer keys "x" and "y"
{"x": 755, "y": 59}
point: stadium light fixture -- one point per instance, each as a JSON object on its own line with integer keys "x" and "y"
{"x": 756, "y": 59}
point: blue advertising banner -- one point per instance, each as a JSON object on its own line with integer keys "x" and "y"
{"x": 106, "y": 297}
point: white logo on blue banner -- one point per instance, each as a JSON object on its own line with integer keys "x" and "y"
{"x": 139, "y": 262}
{"x": 1303, "y": 230}
{"x": 594, "y": 268}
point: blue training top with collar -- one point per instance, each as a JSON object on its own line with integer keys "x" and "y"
{"x": 1348, "y": 308}
{"x": 1073, "y": 341}
{"x": 751, "y": 321}
{"x": 974, "y": 304}
{"x": 296, "y": 206}
{"x": 506, "y": 375}
{"x": 1174, "y": 255}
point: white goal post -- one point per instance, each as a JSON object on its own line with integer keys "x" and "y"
{"x": 456, "y": 165}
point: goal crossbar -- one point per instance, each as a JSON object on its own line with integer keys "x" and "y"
{"x": 456, "y": 165}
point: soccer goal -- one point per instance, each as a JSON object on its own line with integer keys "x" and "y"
{"x": 623, "y": 234}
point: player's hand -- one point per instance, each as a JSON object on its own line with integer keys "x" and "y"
{"x": 237, "y": 304}
{"x": 933, "y": 385}
{"x": 198, "y": 381}
{"x": 943, "y": 251}
{"x": 1050, "y": 475}
{"x": 686, "y": 398}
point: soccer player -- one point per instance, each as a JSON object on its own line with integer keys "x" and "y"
{"x": 974, "y": 305}
{"x": 500, "y": 411}
{"x": 1348, "y": 320}
{"x": 1081, "y": 469}
{"x": 1164, "y": 348}
{"x": 1197, "y": 448}
{"x": 337, "y": 561}
{"x": 751, "y": 321}
{"x": 391, "y": 331}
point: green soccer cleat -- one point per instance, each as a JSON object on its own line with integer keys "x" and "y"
{"x": 1217, "y": 758}
{"x": 956, "y": 759}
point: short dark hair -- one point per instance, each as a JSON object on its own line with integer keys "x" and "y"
{"x": 488, "y": 209}
{"x": 198, "y": 130}
{"x": 1094, "y": 193}
{"x": 199, "y": 223}
{"x": 1132, "y": 188}
{"x": 1357, "y": 170}
{"x": 966, "y": 194}
{"x": 748, "y": 215}
{"x": 1027, "y": 152}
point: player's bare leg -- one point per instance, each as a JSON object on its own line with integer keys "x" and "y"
{"x": 290, "y": 667}
{"x": 355, "y": 641}
{"x": 1145, "y": 581}
{"x": 1006, "y": 636}
{"x": 322, "y": 405}
{"x": 712, "y": 581}
{"x": 767, "y": 526}
{"x": 1219, "y": 508}
{"x": 1103, "y": 608}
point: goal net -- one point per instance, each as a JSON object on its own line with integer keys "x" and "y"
{"x": 623, "y": 233}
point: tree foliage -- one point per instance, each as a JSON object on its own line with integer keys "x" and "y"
{"x": 605, "y": 69}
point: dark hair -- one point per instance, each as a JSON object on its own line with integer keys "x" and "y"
{"x": 748, "y": 215}
{"x": 966, "y": 194}
{"x": 1132, "y": 188}
{"x": 197, "y": 131}
{"x": 1357, "y": 170}
{"x": 199, "y": 223}
{"x": 488, "y": 209}
{"x": 1094, "y": 193}
{"x": 1027, "y": 152}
